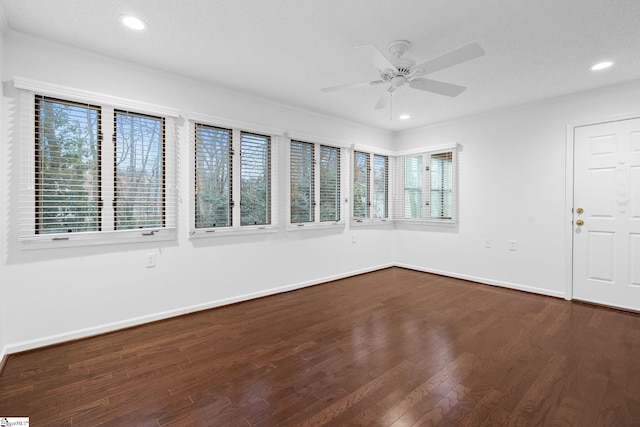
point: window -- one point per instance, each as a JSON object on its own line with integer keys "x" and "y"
{"x": 213, "y": 174}
{"x": 302, "y": 175}
{"x": 78, "y": 188}
{"x": 67, "y": 167}
{"x": 413, "y": 187}
{"x": 329, "y": 183}
{"x": 361, "y": 185}
{"x": 255, "y": 179}
{"x": 442, "y": 186}
{"x": 370, "y": 186}
{"x": 139, "y": 171}
{"x": 314, "y": 191}
{"x": 233, "y": 186}
{"x": 380, "y": 186}
{"x": 426, "y": 187}
{"x": 94, "y": 169}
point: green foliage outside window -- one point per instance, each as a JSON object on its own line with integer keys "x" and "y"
{"x": 67, "y": 167}
{"x": 255, "y": 179}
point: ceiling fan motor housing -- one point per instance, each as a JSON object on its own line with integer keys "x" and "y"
{"x": 404, "y": 65}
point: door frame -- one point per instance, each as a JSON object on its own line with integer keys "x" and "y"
{"x": 569, "y": 182}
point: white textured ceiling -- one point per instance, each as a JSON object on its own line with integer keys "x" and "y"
{"x": 286, "y": 50}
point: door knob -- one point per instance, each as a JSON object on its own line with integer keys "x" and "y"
{"x": 579, "y": 211}
{"x": 579, "y": 222}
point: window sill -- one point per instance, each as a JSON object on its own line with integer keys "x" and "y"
{"x": 370, "y": 222}
{"x": 56, "y": 241}
{"x": 428, "y": 222}
{"x": 220, "y": 232}
{"x": 315, "y": 225}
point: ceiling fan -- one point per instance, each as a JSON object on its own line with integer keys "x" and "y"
{"x": 400, "y": 71}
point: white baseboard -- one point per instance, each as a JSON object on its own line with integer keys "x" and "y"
{"x": 136, "y": 321}
{"x": 4, "y": 355}
{"x": 484, "y": 281}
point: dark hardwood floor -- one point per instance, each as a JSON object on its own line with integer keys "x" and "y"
{"x": 390, "y": 348}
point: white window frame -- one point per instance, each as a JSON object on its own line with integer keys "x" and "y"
{"x": 227, "y": 151}
{"x": 345, "y": 170}
{"x": 27, "y": 236}
{"x": 237, "y": 128}
{"x": 372, "y": 152}
{"x": 399, "y": 193}
{"x": 317, "y": 142}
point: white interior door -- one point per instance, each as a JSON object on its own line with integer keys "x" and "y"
{"x": 606, "y": 218}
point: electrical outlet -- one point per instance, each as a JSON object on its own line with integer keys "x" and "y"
{"x": 513, "y": 245}
{"x": 353, "y": 238}
{"x": 151, "y": 260}
{"x": 487, "y": 243}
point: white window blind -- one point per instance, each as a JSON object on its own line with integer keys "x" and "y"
{"x": 370, "y": 186}
{"x": 425, "y": 187}
{"x": 302, "y": 182}
{"x": 361, "y": 185}
{"x": 380, "y": 186}
{"x": 255, "y": 179}
{"x": 213, "y": 176}
{"x": 67, "y": 166}
{"x": 442, "y": 185}
{"x": 76, "y": 189}
{"x": 413, "y": 185}
{"x": 233, "y": 190}
{"x": 315, "y": 183}
{"x": 329, "y": 183}
{"x": 140, "y": 181}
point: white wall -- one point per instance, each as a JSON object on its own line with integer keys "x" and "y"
{"x": 60, "y": 294}
{"x": 3, "y": 191}
{"x": 512, "y": 187}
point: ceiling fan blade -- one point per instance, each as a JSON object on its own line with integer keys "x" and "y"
{"x": 435, "y": 86}
{"x": 374, "y": 56}
{"x": 350, "y": 86}
{"x": 383, "y": 101}
{"x": 449, "y": 59}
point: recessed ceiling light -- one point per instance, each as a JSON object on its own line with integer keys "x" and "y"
{"x": 601, "y": 66}
{"x": 133, "y": 22}
{"x": 404, "y": 117}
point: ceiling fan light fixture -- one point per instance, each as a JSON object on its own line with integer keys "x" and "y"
{"x": 398, "y": 81}
{"x": 133, "y": 23}
{"x": 601, "y": 66}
